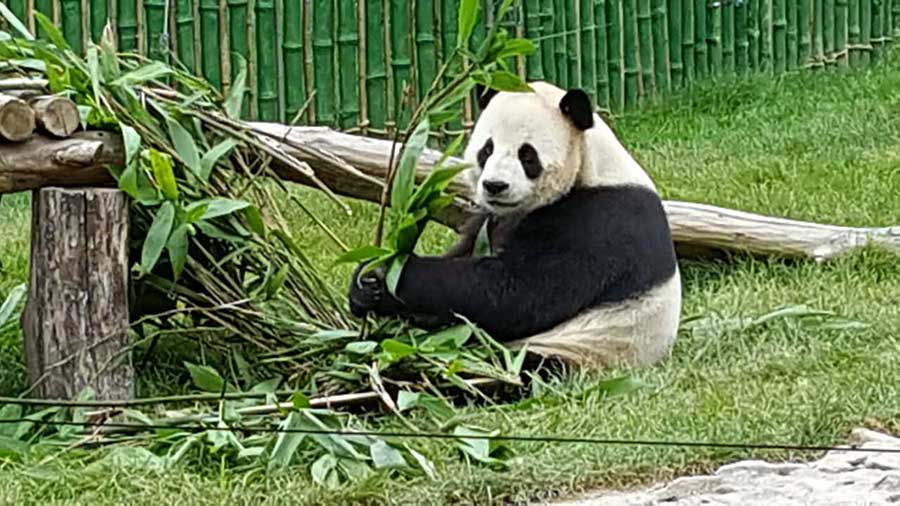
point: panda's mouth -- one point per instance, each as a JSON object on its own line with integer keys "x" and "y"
{"x": 502, "y": 204}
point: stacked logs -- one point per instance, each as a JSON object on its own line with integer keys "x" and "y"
{"x": 22, "y": 112}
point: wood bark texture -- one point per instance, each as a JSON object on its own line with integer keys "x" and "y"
{"x": 355, "y": 166}
{"x": 16, "y": 119}
{"x": 76, "y": 318}
{"x": 56, "y": 116}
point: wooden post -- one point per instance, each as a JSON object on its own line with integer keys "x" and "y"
{"x": 76, "y": 318}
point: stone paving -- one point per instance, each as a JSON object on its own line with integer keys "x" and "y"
{"x": 840, "y": 478}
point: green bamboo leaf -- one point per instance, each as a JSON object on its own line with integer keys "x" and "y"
{"x": 385, "y": 456}
{"x": 286, "y": 444}
{"x": 516, "y": 47}
{"x": 195, "y": 212}
{"x": 277, "y": 281}
{"x": 502, "y": 80}
{"x": 132, "y": 141}
{"x": 220, "y": 207}
{"x": 128, "y": 182}
{"x": 161, "y": 164}
{"x": 362, "y": 254}
{"x": 393, "y": 275}
{"x": 426, "y": 465}
{"x": 323, "y": 471}
{"x": 211, "y": 157}
{"x": 405, "y": 179}
{"x": 150, "y": 72}
{"x": 157, "y": 236}
{"x": 185, "y": 146}
{"x": 255, "y": 221}
{"x": 11, "y": 303}
{"x": 300, "y": 401}
{"x": 206, "y": 378}
{"x": 14, "y": 22}
{"x": 468, "y": 14}
{"x": 93, "y": 67}
{"x": 361, "y": 347}
{"x": 178, "y": 249}
{"x": 51, "y": 31}
{"x": 396, "y": 348}
{"x": 235, "y": 98}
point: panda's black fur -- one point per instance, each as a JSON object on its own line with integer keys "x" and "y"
{"x": 593, "y": 246}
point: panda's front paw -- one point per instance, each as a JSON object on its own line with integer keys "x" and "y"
{"x": 368, "y": 292}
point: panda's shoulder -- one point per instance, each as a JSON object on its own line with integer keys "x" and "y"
{"x": 624, "y": 205}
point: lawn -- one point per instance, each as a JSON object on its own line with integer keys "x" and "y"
{"x": 822, "y": 147}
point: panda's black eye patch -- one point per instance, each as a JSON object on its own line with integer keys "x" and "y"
{"x": 485, "y": 152}
{"x": 528, "y": 157}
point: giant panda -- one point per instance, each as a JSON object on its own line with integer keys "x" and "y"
{"x": 582, "y": 267}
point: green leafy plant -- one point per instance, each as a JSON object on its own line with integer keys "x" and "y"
{"x": 411, "y": 205}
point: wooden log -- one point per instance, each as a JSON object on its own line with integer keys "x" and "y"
{"x": 16, "y": 119}
{"x": 56, "y": 116}
{"x": 697, "y": 229}
{"x": 76, "y": 318}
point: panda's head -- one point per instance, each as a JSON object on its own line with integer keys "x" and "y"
{"x": 527, "y": 149}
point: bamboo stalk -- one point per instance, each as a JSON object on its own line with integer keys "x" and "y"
{"x": 548, "y": 42}
{"x": 741, "y": 37}
{"x": 184, "y": 32}
{"x": 209, "y": 41}
{"x": 363, "y": 90}
{"x": 853, "y": 33}
{"x": 27, "y": 16}
{"x": 18, "y": 7}
{"x": 237, "y": 42}
{"x": 779, "y": 35}
{"x": 645, "y": 48}
{"x": 615, "y": 45}
{"x": 701, "y": 50}
{"x": 266, "y": 75}
{"x": 573, "y": 43}
{"x": 676, "y": 64}
{"x": 588, "y": 47}
{"x": 252, "y": 60}
{"x": 841, "y": 8}
{"x": 728, "y": 43}
{"x": 753, "y": 33}
{"x": 876, "y": 38}
{"x": 804, "y": 53}
{"x": 561, "y": 52}
{"x": 632, "y": 58}
{"x": 99, "y": 14}
{"x": 157, "y": 39}
{"x": 85, "y": 24}
{"x": 714, "y": 35}
{"x": 71, "y": 23}
{"x": 387, "y": 30}
{"x": 865, "y": 34}
{"x": 426, "y": 60}
{"x": 602, "y": 53}
{"x": 895, "y": 18}
{"x": 534, "y": 30}
{"x": 224, "y": 46}
{"x": 886, "y": 31}
{"x": 323, "y": 62}
{"x": 687, "y": 46}
{"x": 766, "y": 35}
{"x": 818, "y": 58}
{"x": 828, "y": 27}
{"x": 347, "y": 69}
{"x": 661, "y": 58}
{"x": 127, "y": 21}
{"x": 792, "y": 39}
{"x": 198, "y": 37}
{"x": 401, "y": 62}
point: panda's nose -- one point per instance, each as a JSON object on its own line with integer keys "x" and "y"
{"x": 494, "y": 187}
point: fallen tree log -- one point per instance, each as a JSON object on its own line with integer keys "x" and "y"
{"x": 16, "y": 119}
{"x": 697, "y": 229}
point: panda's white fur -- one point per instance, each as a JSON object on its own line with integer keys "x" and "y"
{"x": 637, "y": 331}
{"x": 584, "y": 268}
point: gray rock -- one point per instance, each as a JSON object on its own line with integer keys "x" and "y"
{"x": 839, "y": 478}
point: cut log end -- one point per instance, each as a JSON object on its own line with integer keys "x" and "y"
{"x": 56, "y": 116}
{"x": 17, "y": 121}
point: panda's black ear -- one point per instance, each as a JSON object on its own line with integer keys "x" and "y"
{"x": 484, "y": 95}
{"x": 576, "y": 105}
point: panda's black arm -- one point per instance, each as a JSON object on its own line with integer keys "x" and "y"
{"x": 508, "y": 299}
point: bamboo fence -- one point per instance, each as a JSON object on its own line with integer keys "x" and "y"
{"x": 346, "y": 64}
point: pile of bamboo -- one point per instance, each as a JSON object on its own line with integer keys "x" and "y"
{"x": 24, "y": 111}
{"x": 348, "y": 61}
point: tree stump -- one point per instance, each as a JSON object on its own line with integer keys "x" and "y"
{"x": 76, "y": 318}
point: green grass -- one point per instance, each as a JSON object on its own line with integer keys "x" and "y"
{"x": 822, "y": 147}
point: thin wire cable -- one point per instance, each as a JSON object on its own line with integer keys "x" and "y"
{"x": 438, "y": 435}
